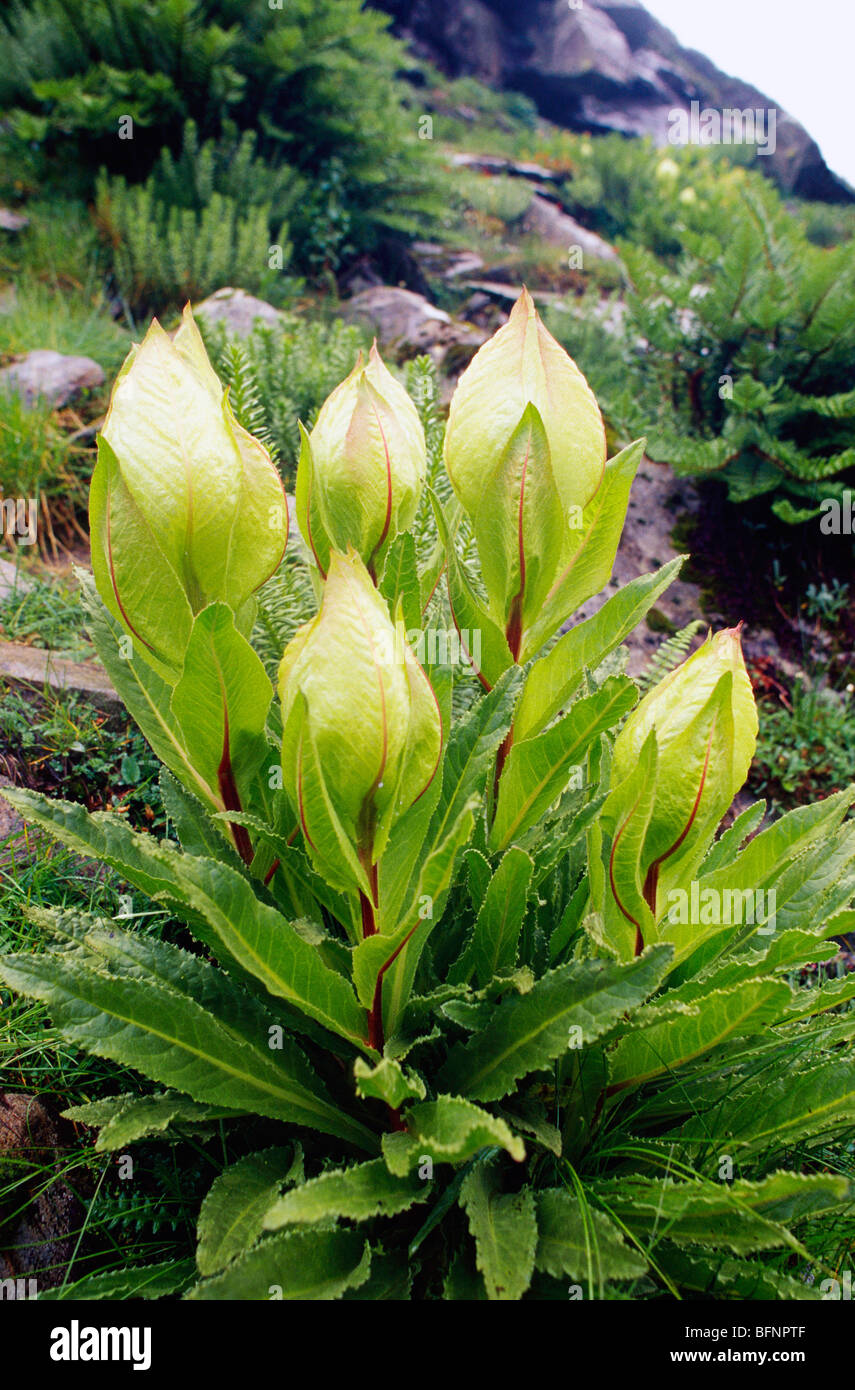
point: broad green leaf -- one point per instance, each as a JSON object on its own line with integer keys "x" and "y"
{"x": 307, "y": 1266}
{"x": 493, "y": 948}
{"x": 123, "y": 1120}
{"x": 133, "y": 572}
{"x": 389, "y": 1281}
{"x": 723, "y": 1014}
{"x": 137, "y": 1281}
{"x": 746, "y": 1280}
{"x": 554, "y": 679}
{"x": 447, "y": 1130}
{"x": 617, "y": 846}
{"x": 231, "y": 1218}
{"x": 468, "y": 612}
{"x": 590, "y": 566}
{"x": 198, "y": 832}
{"x": 773, "y": 1114}
{"x": 504, "y": 1227}
{"x": 387, "y": 1081}
{"x": 583, "y": 1245}
{"x": 571, "y": 1006}
{"x": 358, "y": 1193}
{"x": 145, "y": 694}
{"x": 252, "y": 933}
{"x": 400, "y": 582}
{"x": 157, "y": 1024}
{"x": 741, "y": 1216}
{"x": 382, "y": 951}
{"x": 220, "y": 705}
{"x": 537, "y": 771}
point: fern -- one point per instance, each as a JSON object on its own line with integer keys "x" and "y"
{"x": 669, "y": 654}
{"x": 245, "y": 395}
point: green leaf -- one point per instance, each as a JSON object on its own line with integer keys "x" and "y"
{"x": 137, "y": 1281}
{"x": 358, "y": 1193}
{"x": 157, "y": 1022}
{"x": 722, "y": 1014}
{"x": 231, "y": 1218}
{"x": 740, "y": 1216}
{"x": 746, "y": 1280}
{"x": 590, "y": 567}
{"x": 145, "y": 694}
{"x": 555, "y": 678}
{"x": 468, "y": 612}
{"x": 447, "y": 1130}
{"x": 198, "y": 832}
{"x": 387, "y": 1081}
{"x": 537, "y": 771}
{"x": 772, "y": 1115}
{"x": 252, "y": 933}
{"x": 581, "y": 1245}
{"x": 493, "y": 949}
{"x": 400, "y": 582}
{"x": 220, "y": 705}
{"x": 504, "y": 1226}
{"x": 527, "y": 1032}
{"x": 616, "y": 848}
{"x": 309, "y": 1266}
{"x": 389, "y": 1281}
{"x": 122, "y": 1120}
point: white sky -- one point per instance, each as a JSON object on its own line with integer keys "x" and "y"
{"x": 800, "y": 53}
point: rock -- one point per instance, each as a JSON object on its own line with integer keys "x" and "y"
{"x": 548, "y": 221}
{"x": 36, "y": 666}
{"x": 444, "y": 261}
{"x": 496, "y": 164}
{"x": 51, "y": 375}
{"x": 409, "y": 323}
{"x": 12, "y": 579}
{"x": 43, "y": 1235}
{"x": 12, "y": 221}
{"x": 600, "y": 66}
{"x": 238, "y": 310}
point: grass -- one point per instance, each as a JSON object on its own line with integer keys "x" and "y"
{"x": 48, "y": 613}
{"x": 72, "y": 321}
{"x": 32, "y": 447}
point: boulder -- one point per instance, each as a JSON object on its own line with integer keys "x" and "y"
{"x": 53, "y": 376}
{"x": 547, "y": 220}
{"x": 12, "y": 221}
{"x": 600, "y": 66}
{"x": 239, "y": 311}
{"x": 410, "y": 324}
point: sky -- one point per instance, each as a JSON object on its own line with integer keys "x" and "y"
{"x": 799, "y": 53}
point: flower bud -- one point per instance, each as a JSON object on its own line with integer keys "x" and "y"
{"x": 358, "y": 715}
{"x": 363, "y": 467}
{"x": 704, "y": 719}
{"x": 525, "y": 450}
{"x": 186, "y": 507}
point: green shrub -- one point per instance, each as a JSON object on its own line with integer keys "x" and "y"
{"x": 749, "y": 360}
{"x": 294, "y": 76}
{"x": 165, "y": 255}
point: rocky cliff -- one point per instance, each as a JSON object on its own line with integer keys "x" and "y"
{"x": 607, "y": 65}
